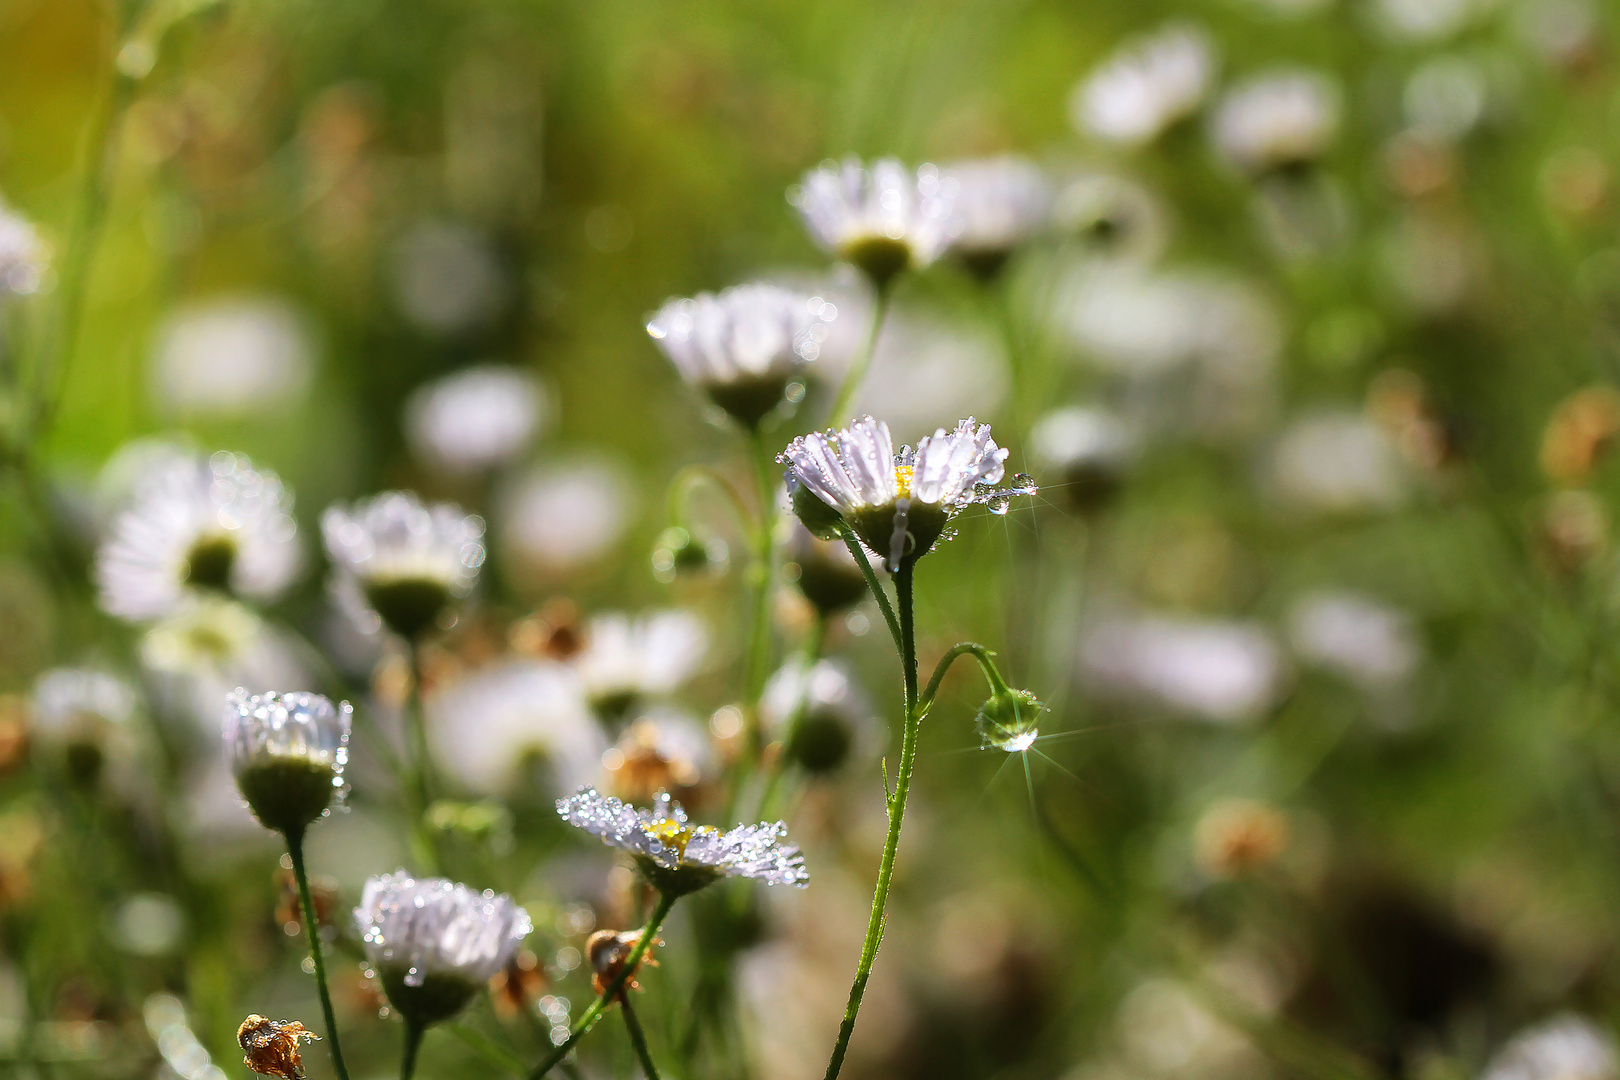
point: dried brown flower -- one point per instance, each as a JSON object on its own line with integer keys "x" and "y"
{"x": 1580, "y": 433}
{"x": 1239, "y": 836}
{"x": 518, "y": 984}
{"x": 272, "y": 1046}
{"x": 607, "y": 951}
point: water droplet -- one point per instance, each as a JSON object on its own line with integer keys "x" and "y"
{"x": 415, "y": 977}
{"x": 999, "y": 503}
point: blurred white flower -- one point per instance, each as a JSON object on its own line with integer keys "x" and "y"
{"x": 743, "y": 346}
{"x": 999, "y": 205}
{"x": 625, "y": 659}
{"x": 1358, "y": 637}
{"x": 195, "y": 523}
{"x": 1165, "y": 1031}
{"x": 1337, "y": 462}
{"x": 475, "y": 420}
{"x": 882, "y": 219}
{"x": 1559, "y": 31}
{"x": 447, "y": 278}
{"x": 67, "y": 701}
{"x": 1445, "y": 97}
{"x": 24, "y": 256}
{"x": 924, "y": 368}
{"x": 820, "y": 715}
{"x": 1427, "y": 20}
{"x": 487, "y": 726}
{"x": 1276, "y": 120}
{"x": 561, "y": 517}
{"x": 1566, "y": 1047}
{"x": 1221, "y": 671}
{"x": 231, "y": 356}
{"x": 1114, "y": 215}
{"x": 1146, "y": 86}
{"x": 407, "y": 559}
{"x": 1083, "y": 454}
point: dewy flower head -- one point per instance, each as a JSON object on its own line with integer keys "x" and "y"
{"x": 898, "y": 504}
{"x": 215, "y": 524}
{"x": 407, "y": 559}
{"x": 882, "y": 219}
{"x": 1276, "y": 122}
{"x": 1000, "y": 204}
{"x": 474, "y": 420}
{"x": 23, "y": 255}
{"x": 434, "y": 942}
{"x": 1148, "y": 85}
{"x": 744, "y": 346}
{"x": 679, "y": 857}
{"x": 288, "y": 753}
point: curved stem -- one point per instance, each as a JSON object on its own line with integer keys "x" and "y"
{"x": 987, "y": 664}
{"x": 413, "y": 1043}
{"x": 638, "y": 1039}
{"x": 689, "y": 478}
{"x": 863, "y": 359}
{"x": 614, "y": 988}
{"x": 872, "y": 583}
{"x": 897, "y": 811}
{"x": 295, "y": 848}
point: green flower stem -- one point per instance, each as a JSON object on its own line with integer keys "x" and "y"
{"x": 692, "y": 477}
{"x": 987, "y": 664}
{"x": 897, "y": 812}
{"x": 872, "y": 583}
{"x": 295, "y": 848}
{"x": 492, "y": 1054}
{"x": 1018, "y": 373}
{"x": 420, "y": 764}
{"x": 863, "y": 359}
{"x": 761, "y": 574}
{"x": 413, "y": 1043}
{"x": 614, "y": 988}
{"x": 638, "y": 1039}
{"x": 810, "y": 654}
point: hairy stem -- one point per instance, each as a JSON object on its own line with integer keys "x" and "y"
{"x": 897, "y": 812}
{"x": 638, "y": 1039}
{"x": 863, "y": 359}
{"x": 295, "y": 848}
{"x": 987, "y": 664}
{"x": 872, "y": 583}
{"x": 614, "y": 988}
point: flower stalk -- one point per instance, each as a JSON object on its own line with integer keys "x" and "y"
{"x": 638, "y": 1039}
{"x": 295, "y": 850}
{"x": 863, "y": 359}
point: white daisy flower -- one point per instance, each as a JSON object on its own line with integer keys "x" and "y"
{"x": 232, "y": 356}
{"x": 744, "y": 346}
{"x": 24, "y": 256}
{"x": 198, "y": 524}
{"x": 1000, "y": 204}
{"x": 406, "y": 559}
{"x": 1278, "y": 121}
{"x": 881, "y": 219}
{"x": 288, "y": 753}
{"x": 79, "y": 715}
{"x": 1566, "y": 1047}
{"x": 1086, "y": 452}
{"x": 627, "y": 659}
{"x": 898, "y": 504}
{"x": 679, "y": 857}
{"x": 435, "y": 943}
{"x": 1148, "y": 85}
{"x": 488, "y": 727}
{"x": 820, "y": 714}
{"x": 474, "y": 420}
{"x": 561, "y": 520}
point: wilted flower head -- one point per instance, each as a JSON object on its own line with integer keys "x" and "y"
{"x": 1087, "y": 452}
{"x": 743, "y": 346}
{"x": 999, "y": 205}
{"x": 288, "y": 753}
{"x": 608, "y": 951}
{"x": 629, "y": 658}
{"x": 474, "y": 420}
{"x": 434, "y": 942}
{"x": 819, "y": 713}
{"x": 272, "y": 1046}
{"x": 75, "y": 712}
{"x": 1567, "y": 1047}
{"x": 23, "y": 255}
{"x": 196, "y": 523}
{"x": 679, "y": 857}
{"x": 1148, "y": 85}
{"x": 231, "y": 356}
{"x": 881, "y": 219}
{"x": 897, "y": 504}
{"x": 1278, "y": 121}
{"x": 407, "y": 560}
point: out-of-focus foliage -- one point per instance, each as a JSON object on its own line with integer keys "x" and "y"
{"x": 1313, "y": 353}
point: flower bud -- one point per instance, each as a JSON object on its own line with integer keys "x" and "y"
{"x": 1007, "y": 721}
{"x": 288, "y": 753}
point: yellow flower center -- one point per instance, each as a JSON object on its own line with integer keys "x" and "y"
{"x": 674, "y": 834}
{"x": 902, "y": 480}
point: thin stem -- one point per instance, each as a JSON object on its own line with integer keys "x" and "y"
{"x": 416, "y": 735}
{"x": 863, "y": 359}
{"x": 897, "y": 812}
{"x": 614, "y": 988}
{"x": 413, "y": 1043}
{"x": 1017, "y": 367}
{"x": 987, "y": 664}
{"x": 801, "y": 708}
{"x": 486, "y": 1049}
{"x": 295, "y": 848}
{"x": 872, "y": 583}
{"x": 638, "y": 1039}
{"x": 690, "y": 478}
{"x": 759, "y": 634}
